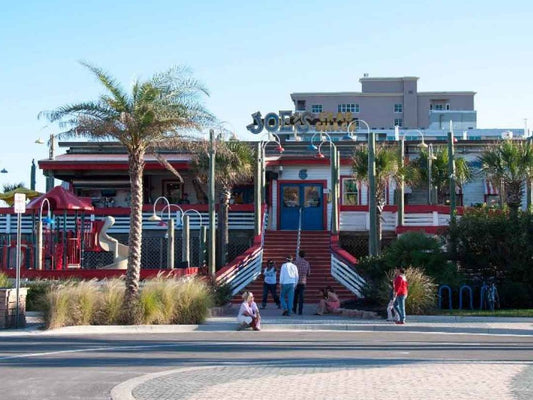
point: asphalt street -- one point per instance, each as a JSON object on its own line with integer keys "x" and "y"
{"x": 88, "y": 367}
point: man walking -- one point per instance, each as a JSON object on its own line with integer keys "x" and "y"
{"x": 288, "y": 278}
{"x": 304, "y": 271}
{"x": 400, "y": 294}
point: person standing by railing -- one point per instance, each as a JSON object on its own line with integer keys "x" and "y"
{"x": 288, "y": 278}
{"x": 269, "y": 284}
{"x": 304, "y": 271}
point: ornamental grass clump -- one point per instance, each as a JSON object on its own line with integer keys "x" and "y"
{"x": 163, "y": 300}
{"x": 72, "y": 303}
{"x": 4, "y": 281}
{"x": 193, "y": 301}
{"x": 422, "y": 296}
{"x": 110, "y": 301}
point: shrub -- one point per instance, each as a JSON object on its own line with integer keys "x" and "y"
{"x": 36, "y": 297}
{"x": 422, "y": 295}
{"x": 222, "y": 294}
{"x": 515, "y": 295}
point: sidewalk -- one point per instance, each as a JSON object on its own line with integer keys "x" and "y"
{"x": 273, "y": 321}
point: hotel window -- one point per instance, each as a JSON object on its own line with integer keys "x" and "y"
{"x": 354, "y": 108}
{"x": 316, "y": 108}
{"x": 398, "y": 122}
{"x": 439, "y": 107}
{"x": 398, "y": 108}
{"x": 300, "y": 105}
{"x": 350, "y": 195}
{"x": 447, "y": 106}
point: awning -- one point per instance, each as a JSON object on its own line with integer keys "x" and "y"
{"x": 61, "y": 200}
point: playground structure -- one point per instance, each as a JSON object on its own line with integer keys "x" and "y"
{"x": 108, "y": 243}
{"x": 64, "y": 236}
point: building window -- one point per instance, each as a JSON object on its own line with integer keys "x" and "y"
{"x": 398, "y": 108}
{"x": 300, "y": 105}
{"x": 447, "y": 106}
{"x": 439, "y": 107}
{"x": 398, "y": 122}
{"x": 348, "y": 108}
{"x": 316, "y": 108}
{"x": 350, "y": 194}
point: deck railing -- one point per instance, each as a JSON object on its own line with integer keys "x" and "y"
{"x": 343, "y": 269}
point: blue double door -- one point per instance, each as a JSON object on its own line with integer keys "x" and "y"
{"x": 306, "y": 197}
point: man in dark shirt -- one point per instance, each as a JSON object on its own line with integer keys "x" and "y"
{"x": 304, "y": 270}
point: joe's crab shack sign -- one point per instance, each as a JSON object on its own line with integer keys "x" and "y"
{"x": 289, "y": 122}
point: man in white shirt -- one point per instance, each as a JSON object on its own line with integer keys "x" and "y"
{"x": 288, "y": 278}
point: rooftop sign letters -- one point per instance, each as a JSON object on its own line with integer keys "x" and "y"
{"x": 289, "y": 122}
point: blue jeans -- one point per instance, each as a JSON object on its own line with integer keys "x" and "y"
{"x": 399, "y": 306}
{"x": 267, "y": 287}
{"x": 287, "y": 297}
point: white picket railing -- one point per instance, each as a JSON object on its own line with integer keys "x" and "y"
{"x": 245, "y": 268}
{"x": 345, "y": 273}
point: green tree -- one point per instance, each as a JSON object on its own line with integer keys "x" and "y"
{"x": 153, "y": 115}
{"x": 234, "y": 164}
{"x": 509, "y": 163}
{"x": 387, "y": 168}
{"x": 8, "y": 187}
{"x": 440, "y": 176}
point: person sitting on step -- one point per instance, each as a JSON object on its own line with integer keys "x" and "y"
{"x": 249, "y": 316}
{"x": 330, "y": 303}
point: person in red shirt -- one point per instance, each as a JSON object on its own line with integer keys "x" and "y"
{"x": 400, "y": 294}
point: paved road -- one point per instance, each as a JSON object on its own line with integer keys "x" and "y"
{"x": 371, "y": 363}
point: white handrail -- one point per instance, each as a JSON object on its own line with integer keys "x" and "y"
{"x": 347, "y": 276}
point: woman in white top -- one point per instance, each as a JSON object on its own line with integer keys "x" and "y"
{"x": 249, "y": 313}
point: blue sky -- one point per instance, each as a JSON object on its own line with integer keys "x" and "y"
{"x": 252, "y": 55}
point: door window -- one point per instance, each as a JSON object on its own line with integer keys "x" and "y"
{"x": 291, "y": 196}
{"x": 312, "y": 196}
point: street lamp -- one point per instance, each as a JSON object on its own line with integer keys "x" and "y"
{"x": 431, "y": 158}
{"x": 39, "y": 243}
{"x": 50, "y": 178}
{"x": 334, "y": 181}
{"x": 170, "y": 229}
{"x": 260, "y": 178}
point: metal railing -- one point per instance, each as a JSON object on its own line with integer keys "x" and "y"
{"x": 247, "y": 267}
{"x": 299, "y": 236}
{"x": 343, "y": 269}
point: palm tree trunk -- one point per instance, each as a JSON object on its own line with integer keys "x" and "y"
{"x": 223, "y": 228}
{"x": 136, "y": 167}
{"x": 379, "y": 214}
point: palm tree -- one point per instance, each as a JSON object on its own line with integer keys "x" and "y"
{"x": 387, "y": 168}
{"x": 234, "y": 164}
{"x": 440, "y": 176}
{"x": 8, "y": 187}
{"x": 153, "y": 115}
{"x": 509, "y": 163}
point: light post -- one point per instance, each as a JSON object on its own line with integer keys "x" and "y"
{"x": 39, "y": 243}
{"x": 431, "y": 158}
{"x": 401, "y": 196}
{"x": 373, "y": 248}
{"x": 260, "y": 178}
{"x": 186, "y": 257}
{"x": 211, "y": 199}
{"x": 49, "y": 178}
{"x": 334, "y": 182}
{"x": 170, "y": 229}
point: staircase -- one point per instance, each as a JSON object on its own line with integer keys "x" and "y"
{"x": 316, "y": 244}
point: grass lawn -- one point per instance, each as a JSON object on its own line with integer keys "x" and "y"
{"x": 525, "y": 312}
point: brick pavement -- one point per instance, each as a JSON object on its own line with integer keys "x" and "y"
{"x": 408, "y": 380}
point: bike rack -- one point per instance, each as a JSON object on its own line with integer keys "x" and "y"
{"x": 471, "y": 296}
{"x": 449, "y": 289}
